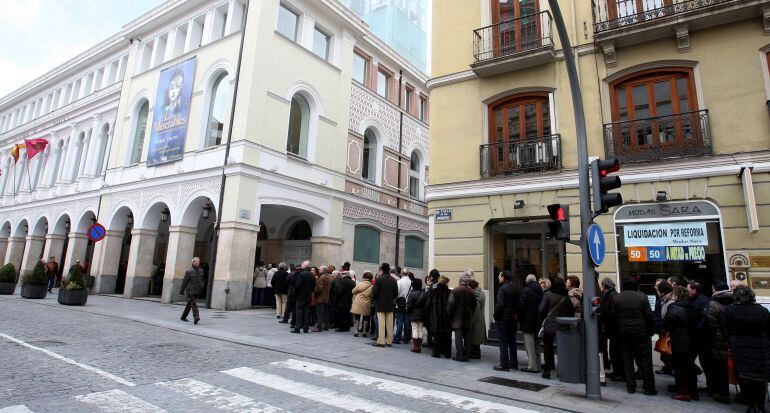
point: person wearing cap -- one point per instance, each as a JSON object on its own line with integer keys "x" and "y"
{"x": 384, "y": 294}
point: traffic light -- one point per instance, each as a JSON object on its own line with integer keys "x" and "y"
{"x": 601, "y": 182}
{"x": 559, "y": 225}
{"x": 596, "y": 306}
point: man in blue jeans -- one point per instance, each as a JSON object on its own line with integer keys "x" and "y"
{"x": 51, "y": 269}
{"x": 403, "y": 325}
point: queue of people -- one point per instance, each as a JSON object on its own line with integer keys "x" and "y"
{"x": 393, "y": 306}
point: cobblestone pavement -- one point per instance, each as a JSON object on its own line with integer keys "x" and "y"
{"x": 120, "y": 355}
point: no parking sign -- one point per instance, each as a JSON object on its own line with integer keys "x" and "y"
{"x": 96, "y": 232}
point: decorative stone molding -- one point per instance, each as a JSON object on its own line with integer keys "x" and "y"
{"x": 356, "y": 211}
{"x": 766, "y": 19}
{"x": 683, "y": 39}
{"x": 610, "y": 58}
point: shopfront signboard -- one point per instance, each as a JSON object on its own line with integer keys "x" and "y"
{"x": 666, "y": 234}
{"x": 663, "y": 254}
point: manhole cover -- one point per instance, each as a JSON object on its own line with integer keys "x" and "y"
{"x": 47, "y": 343}
{"x": 523, "y": 385}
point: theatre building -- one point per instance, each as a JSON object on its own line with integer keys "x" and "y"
{"x": 319, "y": 137}
{"x": 676, "y": 90}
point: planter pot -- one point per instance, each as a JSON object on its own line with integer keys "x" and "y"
{"x": 33, "y": 291}
{"x": 7, "y": 288}
{"x": 72, "y": 297}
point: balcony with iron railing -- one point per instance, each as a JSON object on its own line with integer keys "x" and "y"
{"x": 659, "y": 138}
{"x": 626, "y": 22}
{"x": 535, "y": 154}
{"x": 513, "y": 44}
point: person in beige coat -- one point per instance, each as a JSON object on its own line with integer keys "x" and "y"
{"x": 362, "y": 304}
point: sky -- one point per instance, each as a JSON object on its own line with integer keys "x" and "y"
{"x": 39, "y": 35}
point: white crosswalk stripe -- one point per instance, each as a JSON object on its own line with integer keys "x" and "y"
{"x": 308, "y": 391}
{"x": 218, "y": 398}
{"x": 118, "y": 401}
{"x": 401, "y": 389}
{"x": 16, "y": 409}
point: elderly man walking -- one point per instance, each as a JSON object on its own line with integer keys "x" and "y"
{"x": 192, "y": 285}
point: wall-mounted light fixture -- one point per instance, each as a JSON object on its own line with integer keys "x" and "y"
{"x": 67, "y": 225}
{"x": 164, "y": 215}
{"x": 206, "y": 214}
{"x": 130, "y": 220}
{"x": 518, "y": 204}
{"x": 661, "y": 196}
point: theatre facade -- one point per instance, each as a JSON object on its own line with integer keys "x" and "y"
{"x": 313, "y": 132}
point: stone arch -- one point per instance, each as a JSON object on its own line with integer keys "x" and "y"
{"x": 5, "y": 229}
{"x": 119, "y": 219}
{"x": 61, "y": 225}
{"x": 22, "y": 228}
{"x": 192, "y": 207}
{"x": 87, "y": 218}
{"x": 41, "y": 227}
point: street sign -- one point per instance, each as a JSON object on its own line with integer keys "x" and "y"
{"x": 596, "y": 244}
{"x": 96, "y": 232}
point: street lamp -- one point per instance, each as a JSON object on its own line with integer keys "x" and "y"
{"x": 206, "y": 214}
{"x": 130, "y": 220}
{"x": 164, "y": 215}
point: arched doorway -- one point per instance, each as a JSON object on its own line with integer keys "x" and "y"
{"x": 147, "y": 257}
{"x": 112, "y": 265}
{"x": 17, "y": 245}
{"x": 5, "y": 233}
{"x": 58, "y": 241}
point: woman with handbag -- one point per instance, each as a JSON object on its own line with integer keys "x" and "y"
{"x": 747, "y": 325}
{"x": 362, "y": 304}
{"x": 555, "y": 303}
{"x": 679, "y": 324}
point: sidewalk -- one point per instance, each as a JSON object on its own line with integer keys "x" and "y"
{"x": 259, "y": 328}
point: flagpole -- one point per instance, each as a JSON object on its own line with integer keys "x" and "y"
{"x": 29, "y": 176}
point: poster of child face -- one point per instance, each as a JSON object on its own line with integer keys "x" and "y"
{"x": 170, "y": 117}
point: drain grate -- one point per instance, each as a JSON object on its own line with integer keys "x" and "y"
{"x": 523, "y": 385}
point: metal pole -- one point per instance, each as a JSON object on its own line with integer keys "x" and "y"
{"x": 593, "y": 387}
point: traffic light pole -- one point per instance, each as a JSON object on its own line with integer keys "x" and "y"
{"x": 593, "y": 388}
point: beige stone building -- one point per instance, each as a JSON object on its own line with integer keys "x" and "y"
{"x": 676, "y": 89}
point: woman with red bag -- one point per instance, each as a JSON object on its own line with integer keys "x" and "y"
{"x": 747, "y": 325}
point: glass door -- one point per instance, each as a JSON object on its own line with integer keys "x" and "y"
{"x": 517, "y": 25}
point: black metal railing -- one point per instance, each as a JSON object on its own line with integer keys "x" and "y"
{"x": 536, "y": 154}
{"x": 512, "y": 37}
{"x": 651, "y": 139}
{"x": 614, "y": 14}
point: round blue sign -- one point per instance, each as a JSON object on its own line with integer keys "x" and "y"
{"x": 96, "y": 232}
{"x": 596, "y": 246}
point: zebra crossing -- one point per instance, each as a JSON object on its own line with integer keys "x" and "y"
{"x": 277, "y": 387}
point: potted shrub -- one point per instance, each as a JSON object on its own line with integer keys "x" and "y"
{"x": 74, "y": 292}
{"x": 35, "y": 285}
{"x": 7, "y": 279}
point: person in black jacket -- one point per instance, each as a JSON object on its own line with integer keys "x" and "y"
{"x": 343, "y": 301}
{"x": 291, "y": 298}
{"x": 662, "y": 288}
{"x": 460, "y": 306}
{"x": 700, "y": 303}
{"x": 555, "y": 303}
{"x": 438, "y": 319}
{"x": 635, "y": 324}
{"x": 747, "y": 326}
{"x": 281, "y": 288}
{"x": 608, "y": 331}
{"x": 415, "y": 307}
{"x": 384, "y": 294}
{"x": 721, "y": 298}
{"x": 304, "y": 286}
{"x": 680, "y": 325}
{"x": 505, "y": 318}
{"x": 192, "y": 285}
{"x": 529, "y": 318}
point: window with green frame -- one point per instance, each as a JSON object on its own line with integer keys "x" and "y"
{"x": 413, "y": 252}
{"x": 366, "y": 244}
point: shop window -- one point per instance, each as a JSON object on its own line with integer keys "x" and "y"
{"x": 360, "y": 66}
{"x": 321, "y": 43}
{"x": 413, "y": 252}
{"x": 140, "y": 129}
{"x": 220, "y": 92}
{"x": 655, "y": 109}
{"x": 288, "y": 21}
{"x": 299, "y": 123}
{"x": 366, "y": 244}
{"x": 369, "y": 168}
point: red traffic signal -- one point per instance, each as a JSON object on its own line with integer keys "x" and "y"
{"x": 559, "y": 225}
{"x": 602, "y": 182}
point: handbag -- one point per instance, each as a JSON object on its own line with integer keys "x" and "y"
{"x": 542, "y": 327}
{"x": 663, "y": 345}
{"x": 732, "y": 378}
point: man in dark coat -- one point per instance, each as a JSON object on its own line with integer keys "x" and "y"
{"x": 717, "y": 340}
{"x": 281, "y": 287}
{"x": 608, "y": 331}
{"x": 384, "y": 294}
{"x": 679, "y": 322}
{"x": 322, "y": 292}
{"x": 506, "y": 302}
{"x": 529, "y": 319}
{"x": 440, "y": 325}
{"x": 635, "y": 325}
{"x": 460, "y": 306}
{"x": 304, "y": 286}
{"x": 192, "y": 285}
{"x": 291, "y": 298}
{"x": 343, "y": 301}
{"x": 700, "y": 303}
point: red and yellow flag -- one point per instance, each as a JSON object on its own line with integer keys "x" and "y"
{"x": 35, "y": 146}
{"x": 15, "y": 151}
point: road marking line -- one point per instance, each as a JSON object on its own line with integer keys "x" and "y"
{"x": 219, "y": 398}
{"x": 308, "y": 391}
{"x": 16, "y": 409}
{"x": 118, "y": 401}
{"x": 401, "y": 389}
{"x": 69, "y": 360}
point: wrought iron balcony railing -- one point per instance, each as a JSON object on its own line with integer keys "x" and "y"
{"x": 512, "y": 37}
{"x": 614, "y": 14}
{"x": 536, "y": 154}
{"x": 652, "y": 139}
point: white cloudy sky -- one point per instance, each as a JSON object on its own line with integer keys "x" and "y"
{"x": 38, "y": 35}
